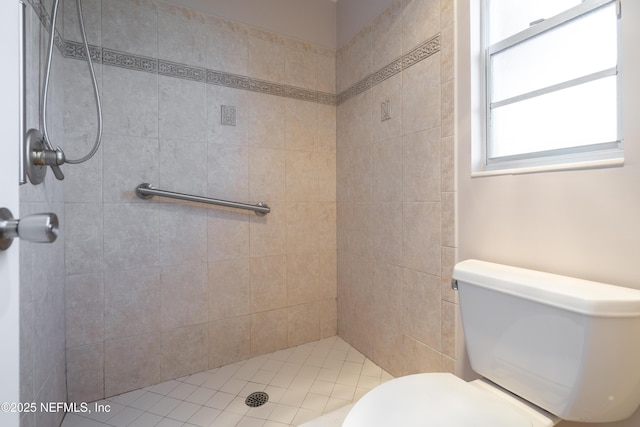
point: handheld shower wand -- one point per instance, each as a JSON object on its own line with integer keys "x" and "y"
{"x": 39, "y": 152}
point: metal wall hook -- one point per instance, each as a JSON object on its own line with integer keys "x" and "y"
{"x": 38, "y": 228}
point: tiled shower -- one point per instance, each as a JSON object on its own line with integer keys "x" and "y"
{"x": 353, "y": 149}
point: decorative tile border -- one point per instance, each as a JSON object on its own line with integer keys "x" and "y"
{"x": 182, "y": 71}
{"x": 423, "y": 51}
{"x": 75, "y": 50}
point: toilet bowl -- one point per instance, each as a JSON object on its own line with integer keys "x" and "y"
{"x": 548, "y": 347}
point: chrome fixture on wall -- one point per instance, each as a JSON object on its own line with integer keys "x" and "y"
{"x": 146, "y": 191}
{"x": 38, "y": 228}
{"x": 37, "y": 149}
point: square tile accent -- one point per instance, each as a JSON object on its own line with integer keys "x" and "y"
{"x": 385, "y": 110}
{"x": 228, "y": 115}
{"x": 303, "y": 383}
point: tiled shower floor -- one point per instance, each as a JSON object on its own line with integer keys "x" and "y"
{"x": 302, "y": 382}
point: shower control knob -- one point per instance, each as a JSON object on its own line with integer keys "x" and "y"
{"x": 38, "y": 228}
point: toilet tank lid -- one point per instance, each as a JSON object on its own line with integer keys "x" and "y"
{"x": 569, "y": 293}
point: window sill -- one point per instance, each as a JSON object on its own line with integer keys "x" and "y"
{"x": 593, "y": 164}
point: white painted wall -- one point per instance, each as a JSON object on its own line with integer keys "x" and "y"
{"x": 9, "y": 264}
{"x": 312, "y": 21}
{"x": 579, "y": 223}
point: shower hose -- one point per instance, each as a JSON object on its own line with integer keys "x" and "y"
{"x": 45, "y": 90}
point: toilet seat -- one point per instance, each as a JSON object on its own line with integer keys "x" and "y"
{"x": 439, "y": 400}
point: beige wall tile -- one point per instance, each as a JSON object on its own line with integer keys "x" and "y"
{"x": 182, "y": 109}
{"x": 421, "y": 99}
{"x": 267, "y": 55}
{"x": 449, "y": 329}
{"x": 355, "y": 120}
{"x": 327, "y": 177}
{"x": 387, "y": 171}
{"x": 301, "y": 66}
{"x": 448, "y": 167}
{"x": 389, "y": 348}
{"x": 301, "y": 125}
{"x": 421, "y": 158}
{"x": 303, "y": 324}
{"x": 360, "y": 232}
{"x": 228, "y": 172}
{"x": 358, "y": 58}
{"x": 182, "y": 166}
{"x": 268, "y": 233}
{"x": 387, "y": 294}
{"x": 268, "y": 283}
{"x": 184, "y": 351}
{"x": 303, "y": 279}
{"x": 217, "y": 133}
{"x": 268, "y": 331}
{"x": 447, "y": 50}
{"x": 326, "y": 214}
{"x": 182, "y": 35}
{"x": 388, "y": 91}
{"x": 387, "y": 232}
{"x": 130, "y": 236}
{"x": 85, "y": 373}
{"x": 328, "y": 317}
{"x": 326, "y": 129}
{"x": 327, "y": 274}
{"x": 361, "y": 284}
{"x": 420, "y": 21}
{"x": 303, "y": 170}
{"x": 267, "y": 123}
{"x": 128, "y": 160}
{"x": 448, "y": 219}
{"x": 267, "y": 174}
{"x": 422, "y": 308}
{"x": 143, "y": 363}
{"x": 387, "y": 36}
{"x": 184, "y": 296}
{"x": 131, "y": 303}
{"x": 228, "y": 235}
{"x": 229, "y": 289}
{"x": 360, "y": 179}
{"x": 181, "y": 242}
{"x": 420, "y": 358}
{"x": 448, "y": 108}
{"x": 84, "y": 310}
{"x": 302, "y": 228}
{"x": 131, "y": 27}
{"x": 421, "y": 237}
{"x": 402, "y": 203}
{"x": 326, "y": 71}
{"x": 227, "y": 46}
{"x": 447, "y": 12}
{"x": 229, "y": 340}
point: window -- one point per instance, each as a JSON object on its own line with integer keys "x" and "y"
{"x": 552, "y": 82}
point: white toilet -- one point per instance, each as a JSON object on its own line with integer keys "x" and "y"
{"x": 549, "y": 348}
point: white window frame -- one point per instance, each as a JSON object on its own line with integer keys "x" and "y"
{"x": 607, "y": 153}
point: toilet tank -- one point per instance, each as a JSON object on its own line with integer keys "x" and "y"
{"x": 569, "y": 346}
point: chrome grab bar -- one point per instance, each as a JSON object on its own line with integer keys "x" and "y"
{"x": 146, "y": 191}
